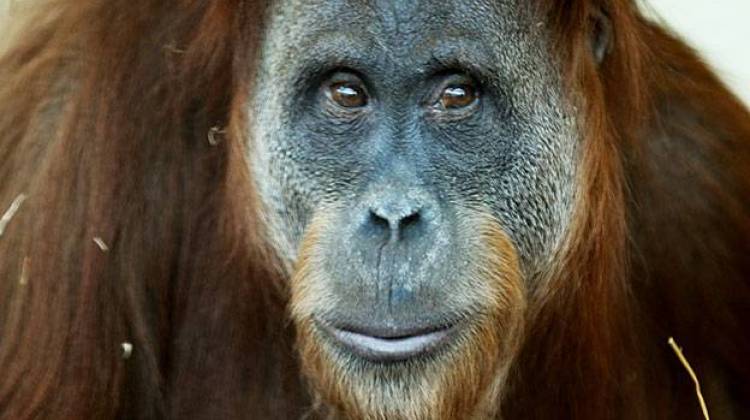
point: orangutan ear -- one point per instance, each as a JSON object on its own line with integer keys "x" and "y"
{"x": 601, "y": 34}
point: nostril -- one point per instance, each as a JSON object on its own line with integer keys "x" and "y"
{"x": 409, "y": 226}
{"x": 409, "y": 220}
{"x": 379, "y": 222}
{"x": 394, "y": 222}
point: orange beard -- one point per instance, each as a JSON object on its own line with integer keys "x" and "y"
{"x": 462, "y": 381}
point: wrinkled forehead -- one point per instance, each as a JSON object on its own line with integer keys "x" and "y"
{"x": 404, "y": 28}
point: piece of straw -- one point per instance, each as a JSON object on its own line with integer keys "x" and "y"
{"x": 14, "y": 206}
{"x": 101, "y": 244}
{"x": 693, "y": 376}
{"x": 213, "y": 135}
{"x": 24, "y": 279}
{"x": 127, "y": 350}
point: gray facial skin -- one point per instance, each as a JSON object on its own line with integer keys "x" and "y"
{"x": 394, "y": 180}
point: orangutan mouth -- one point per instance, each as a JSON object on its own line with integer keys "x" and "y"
{"x": 389, "y": 344}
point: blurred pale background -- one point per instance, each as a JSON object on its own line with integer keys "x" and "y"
{"x": 719, "y": 29}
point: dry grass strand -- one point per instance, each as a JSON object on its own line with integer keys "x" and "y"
{"x": 691, "y": 372}
{"x": 12, "y": 210}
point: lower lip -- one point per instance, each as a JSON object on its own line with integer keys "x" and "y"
{"x": 379, "y": 349}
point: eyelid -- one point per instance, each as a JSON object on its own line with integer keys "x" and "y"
{"x": 342, "y": 76}
{"x": 345, "y": 74}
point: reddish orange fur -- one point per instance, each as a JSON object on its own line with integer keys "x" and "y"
{"x": 104, "y": 111}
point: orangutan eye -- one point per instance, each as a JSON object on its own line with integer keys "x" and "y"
{"x": 457, "y": 96}
{"x": 348, "y": 94}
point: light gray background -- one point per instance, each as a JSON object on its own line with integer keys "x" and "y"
{"x": 719, "y": 29}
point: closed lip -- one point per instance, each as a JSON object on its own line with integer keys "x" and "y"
{"x": 389, "y": 344}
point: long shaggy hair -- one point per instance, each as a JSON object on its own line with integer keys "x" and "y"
{"x": 132, "y": 221}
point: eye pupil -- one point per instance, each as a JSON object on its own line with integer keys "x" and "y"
{"x": 458, "y": 96}
{"x": 348, "y": 95}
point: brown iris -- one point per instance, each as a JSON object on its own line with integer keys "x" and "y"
{"x": 348, "y": 94}
{"x": 458, "y": 96}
